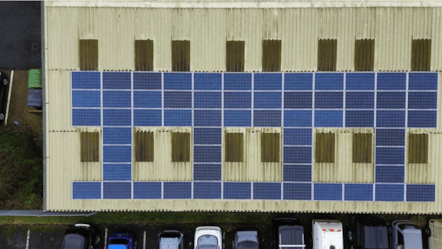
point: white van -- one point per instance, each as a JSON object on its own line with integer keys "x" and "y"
{"x": 327, "y": 234}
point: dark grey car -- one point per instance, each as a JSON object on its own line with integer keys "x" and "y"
{"x": 81, "y": 236}
{"x": 246, "y": 240}
{"x": 368, "y": 232}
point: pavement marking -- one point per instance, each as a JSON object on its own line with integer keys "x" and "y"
{"x": 9, "y": 97}
{"x": 105, "y": 237}
{"x": 144, "y": 240}
{"x": 27, "y": 240}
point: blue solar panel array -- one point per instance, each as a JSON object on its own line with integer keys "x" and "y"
{"x": 297, "y": 102}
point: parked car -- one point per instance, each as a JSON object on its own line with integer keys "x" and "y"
{"x": 405, "y": 235}
{"x": 287, "y": 232}
{"x": 368, "y": 232}
{"x": 3, "y": 94}
{"x": 81, "y": 236}
{"x": 327, "y": 234}
{"x": 246, "y": 240}
{"x": 171, "y": 239}
{"x": 122, "y": 241}
{"x": 208, "y": 238}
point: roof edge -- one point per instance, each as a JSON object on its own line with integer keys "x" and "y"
{"x": 243, "y": 4}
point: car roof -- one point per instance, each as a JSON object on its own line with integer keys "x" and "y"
{"x": 374, "y": 237}
{"x": 291, "y": 235}
{"x": 413, "y": 241}
{"x": 73, "y": 241}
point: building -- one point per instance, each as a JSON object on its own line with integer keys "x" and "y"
{"x": 294, "y": 106}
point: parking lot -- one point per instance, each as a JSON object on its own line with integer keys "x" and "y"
{"x": 51, "y": 235}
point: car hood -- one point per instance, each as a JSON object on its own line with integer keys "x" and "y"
{"x": 73, "y": 241}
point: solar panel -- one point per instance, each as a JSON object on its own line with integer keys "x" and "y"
{"x": 237, "y": 190}
{"x": 207, "y": 81}
{"x": 297, "y": 118}
{"x": 328, "y": 118}
{"x": 297, "y": 173}
{"x": 296, "y": 102}
{"x": 358, "y": 192}
{"x": 267, "y": 81}
{"x": 298, "y": 81}
{"x": 267, "y": 118}
{"x": 117, "y": 172}
{"x": 207, "y": 190}
{"x": 86, "y": 190}
{"x": 327, "y": 192}
{"x": 86, "y": 98}
{"x": 329, "y": 81}
{"x": 206, "y": 154}
{"x": 390, "y": 174}
{"x": 389, "y": 192}
{"x": 178, "y": 81}
{"x": 267, "y": 190}
{"x": 237, "y": 118}
{"x": 417, "y": 192}
{"x": 297, "y": 191}
{"x": 86, "y": 80}
{"x": 147, "y": 190}
{"x": 177, "y": 190}
{"x": 117, "y": 190}
{"x": 207, "y": 172}
{"x": 267, "y": 100}
{"x": 297, "y": 136}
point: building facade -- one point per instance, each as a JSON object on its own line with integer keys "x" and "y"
{"x": 243, "y": 106}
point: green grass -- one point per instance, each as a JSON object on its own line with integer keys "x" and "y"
{"x": 151, "y": 217}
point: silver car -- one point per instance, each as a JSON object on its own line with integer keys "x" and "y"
{"x": 405, "y": 235}
{"x": 171, "y": 239}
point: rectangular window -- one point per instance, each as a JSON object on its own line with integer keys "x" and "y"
{"x": 181, "y": 56}
{"x": 235, "y": 56}
{"x": 144, "y": 146}
{"x": 181, "y": 147}
{"x": 325, "y": 148}
{"x": 89, "y": 55}
{"x": 143, "y": 55}
{"x": 362, "y": 147}
{"x": 421, "y": 55}
{"x": 89, "y": 146}
{"x": 271, "y": 55}
{"x": 327, "y": 54}
{"x": 270, "y": 147}
{"x": 364, "y": 55}
{"x": 234, "y": 143}
{"x": 418, "y": 148}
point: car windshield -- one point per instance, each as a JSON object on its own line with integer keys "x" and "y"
{"x": 207, "y": 242}
{"x": 248, "y": 245}
{"x": 119, "y": 242}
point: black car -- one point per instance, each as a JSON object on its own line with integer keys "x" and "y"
{"x": 368, "y": 232}
{"x": 3, "y": 93}
{"x": 81, "y": 236}
{"x": 287, "y": 233}
{"x": 246, "y": 240}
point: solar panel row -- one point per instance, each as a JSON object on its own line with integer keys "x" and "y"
{"x": 257, "y": 190}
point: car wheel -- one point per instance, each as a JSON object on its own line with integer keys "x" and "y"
{"x": 2, "y": 116}
{"x": 350, "y": 236}
{"x": 97, "y": 240}
{"x": 427, "y": 232}
{"x": 5, "y": 81}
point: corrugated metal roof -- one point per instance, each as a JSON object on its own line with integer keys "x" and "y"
{"x": 208, "y": 29}
{"x": 299, "y": 30}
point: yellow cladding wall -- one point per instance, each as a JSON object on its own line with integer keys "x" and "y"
{"x": 252, "y": 169}
{"x": 208, "y": 29}
{"x": 343, "y": 169}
